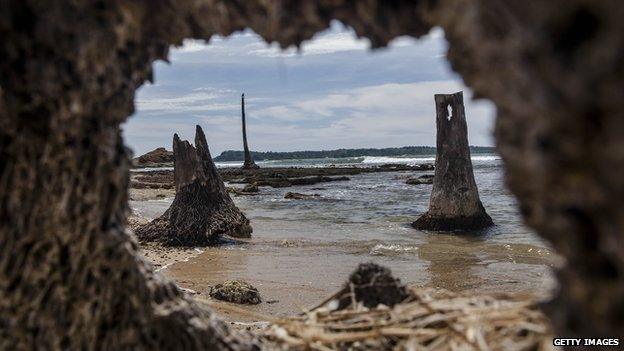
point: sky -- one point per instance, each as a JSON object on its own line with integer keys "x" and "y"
{"x": 333, "y": 93}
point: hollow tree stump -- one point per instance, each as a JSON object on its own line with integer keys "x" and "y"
{"x": 454, "y": 202}
{"x": 202, "y": 209}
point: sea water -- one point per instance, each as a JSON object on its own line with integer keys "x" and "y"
{"x": 306, "y": 248}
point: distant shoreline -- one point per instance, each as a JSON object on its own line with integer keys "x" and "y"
{"x": 235, "y": 155}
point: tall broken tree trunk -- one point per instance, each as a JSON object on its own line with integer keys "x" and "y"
{"x": 249, "y": 163}
{"x": 202, "y": 209}
{"x": 454, "y": 202}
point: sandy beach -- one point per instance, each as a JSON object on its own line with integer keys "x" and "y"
{"x": 302, "y": 251}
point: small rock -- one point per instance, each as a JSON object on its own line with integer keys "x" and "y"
{"x": 299, "y": 196}
{"x": 251, "y": 188}
{"x": 424, "y": 179}
{"x": 236, "y": 291}
{"x": 241, "y": 192}
{"x": 189, "y": 291}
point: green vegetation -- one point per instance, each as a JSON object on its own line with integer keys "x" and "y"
{"x": 232, "y": 155}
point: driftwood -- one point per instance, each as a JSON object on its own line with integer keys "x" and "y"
{"x": 454, "y": 202}
{"x": 202, "y": 209}
{"x": 374, "y": 311}
{"x": 426, "y": 320}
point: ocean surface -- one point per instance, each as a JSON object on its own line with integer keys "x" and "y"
{"x": 303, "y": 250}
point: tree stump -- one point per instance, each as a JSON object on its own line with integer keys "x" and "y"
{"x": 454, "y": 202}
{"x": 249, "y": 162}
{"x": 202, "y": 209}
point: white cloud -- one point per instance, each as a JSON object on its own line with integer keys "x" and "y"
{"x": 325, "y": 99}
{"x": 323, "y": 44}
{"x": 334, "y": 40}
{"x": 398, "y": 114}
{"x": 201, "y": 99}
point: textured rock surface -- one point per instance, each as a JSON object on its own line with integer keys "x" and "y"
{"x": 68, "y": 74}
{"x": 251, "y": 188}
{"x": 159, "y": 157}
{"x": 236, "y": 291}
{"x": 454, "y": 203}
{"x": 423, "y": 179}
{"x": 202, "y": 209}
{"x": 299, "y": 196}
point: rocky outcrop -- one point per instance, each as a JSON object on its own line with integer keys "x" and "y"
{"x": 273, "y": 177}
{"x": 299, "y": 196}
{"x": 251, "y": 188}
{"x": 423, "y": 179}
{"x": 454, "y": 203}
{"x": 202, "y": 209}
{"x": 159, "y": 157}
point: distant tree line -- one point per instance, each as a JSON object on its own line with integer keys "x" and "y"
{"x": 233, "y": 155}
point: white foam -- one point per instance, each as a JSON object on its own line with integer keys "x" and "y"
{"x": 228, "y": 164}
{"x": 417, "y": 160}
{"x": 381, "y": 249}
{"x": 406, "y": 160}
{"x": 151, "y": 169}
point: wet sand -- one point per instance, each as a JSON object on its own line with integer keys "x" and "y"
{"x": 164, "y": 257}
{"x": 293, "y": 276}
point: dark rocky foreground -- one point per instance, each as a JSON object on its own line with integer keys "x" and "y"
{"x": 273, "y": 177}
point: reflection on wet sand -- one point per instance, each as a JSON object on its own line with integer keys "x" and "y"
{"x": 293, "y": 275}
{"x": 471, "y": 263}
{"x": 450, "y": 270}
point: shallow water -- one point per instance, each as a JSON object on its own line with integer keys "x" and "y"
{"x": 302, "y": 250}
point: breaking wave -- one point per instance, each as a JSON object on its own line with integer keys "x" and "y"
{"x": 417, "y": 160}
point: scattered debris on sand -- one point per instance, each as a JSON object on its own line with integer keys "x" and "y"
{"x": 136, "y": 221}
{"x": 425, "y": 319}
{"x": 236, "y": 291}
{"x": 163, "y": 257}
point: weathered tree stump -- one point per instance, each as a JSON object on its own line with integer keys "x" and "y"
{"x": 249, "y": 162}
{"x": 454, "y": 202}
{"x": 202, "y": 209}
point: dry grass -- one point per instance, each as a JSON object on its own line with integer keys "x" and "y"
{"x": 428, "y": 320}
